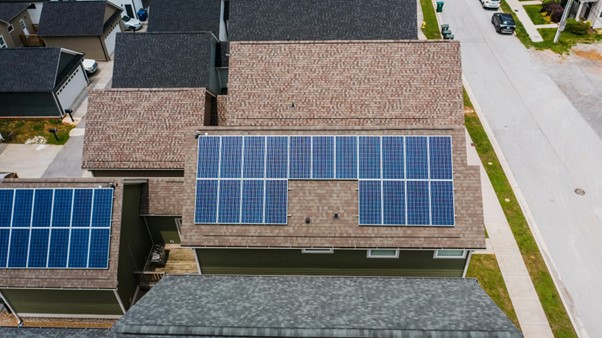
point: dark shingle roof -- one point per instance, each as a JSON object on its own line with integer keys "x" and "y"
{"x": 316, "y": 307}
{"x": 8, "y": 11}
{"x": 34, "y": 332}
{"x": 28, "y": 69}
{"x": 72, "y": 18}
{"x": 184, "y": 16}
{"x": 265, "y": 20}
{"x": 162, "y": 60}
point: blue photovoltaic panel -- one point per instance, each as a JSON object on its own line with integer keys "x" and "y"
{"x": 370, "y": 202}
{"x": 82, "y": 208}
{"x": 206, "y": 201}
{"x": 99, "y": 249}
{"x": 277, "y": 157}
{"x": 416, "y": 157}
{"x": 38, "y": 248}
{"x": 418, "y": 202}
{"x": 300, "y": 157}
{"x": 394, "y": 210}
{"x": 4, "y": 234}
{"x": 19, "y": 243}
{"x": 229, "y": 201}
{"x": 252, "y": 201}
{"x": 275, "y": 201}
{"x": 6, "y": 208}
{"x": 63, "y": 201}
{"x": 42, "y": 208}
{"x": 78, "y": 250}
{"x": 442, "y": 203}
{"x": 22, "y": 208}
{"x": 254, "y": 157}
{"x": 103, "y": 205}
{"x": 59, "y": 245}
{"x": 231, "y": 157}
{"x": 369, "y": 153}
{"x": 393, "y": 159}
{"x": 346, "y": 157}
{"x": 440, "y": 156}
{"x": 208, "y": 161}
{"x": 323, "y": 157}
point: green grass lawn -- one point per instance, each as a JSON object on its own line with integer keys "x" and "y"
{"x": 431, "y": 30}
{"x": 542, "y": 280}
{"x": 486, "y": 270}
{"x": 534, "y": 12}
{"x": 22, "y": 130}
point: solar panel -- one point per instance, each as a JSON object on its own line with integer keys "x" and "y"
{"x": 54, "y": 228}
{"x": 403, "y": 180}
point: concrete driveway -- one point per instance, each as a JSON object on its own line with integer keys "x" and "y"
{"x": 551, "y": 150}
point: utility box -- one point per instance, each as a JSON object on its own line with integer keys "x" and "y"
{"x": 439, "y": 6}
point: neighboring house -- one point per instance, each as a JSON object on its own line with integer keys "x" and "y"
{"x": 590, "y": 10}
{"x": 86, "y": 26}
{"x": 167, "y": 60}
{"x": 40, "y": 82}
{"x": 248, "y": 306}
{"x": 34, "y": 8}
{"x": 309, "y": 20}
{"x": 70, "y": 247}
{"x": 187, "y": 16}
{"x": 130, "y": 7}
{"x": 15, "y": 24}
{"x": 142, "y": 132}
{"x": 335, "y": 158}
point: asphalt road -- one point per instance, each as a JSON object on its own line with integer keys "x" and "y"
{"x": 551, "y": 150}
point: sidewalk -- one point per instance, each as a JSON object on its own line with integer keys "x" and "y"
{"x": 526, "y": 303}
{"x": 519, "y": 10}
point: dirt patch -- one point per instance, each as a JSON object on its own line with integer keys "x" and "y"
{"x": 589, "y": 54}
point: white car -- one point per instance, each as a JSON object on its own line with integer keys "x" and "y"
{"x": 131, "y": 23}
{"x": 492, "y": 4}
{"x": 90, "y": 66}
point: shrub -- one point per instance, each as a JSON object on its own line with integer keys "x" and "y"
{"x": 553, "y": 9}
{"x": 576, "y": 27}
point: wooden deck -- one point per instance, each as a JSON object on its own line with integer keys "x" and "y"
{"x": 180, "y": 261}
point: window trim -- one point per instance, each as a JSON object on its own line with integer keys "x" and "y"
{"x": 437, "y": 256}
{"x": 317, "y": 250}
{"x": 10, "y": 28}
{"x": 371, "y": 255}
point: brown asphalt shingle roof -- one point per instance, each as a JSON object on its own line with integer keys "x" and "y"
{"x": 371, "y": 83}
{"x": 140, "y": 128}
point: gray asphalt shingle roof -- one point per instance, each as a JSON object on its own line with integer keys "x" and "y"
{"x": 184, "y": 16}
{"x": 72, "y": 18}
{"x": 162, "y": 60}
{"x": 28, "y": 69}
{"x": 316, "y": 307}
{"x": 9, "y": 11}
{"x": 280, "y": 20}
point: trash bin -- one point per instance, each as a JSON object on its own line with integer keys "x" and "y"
{"x": 449, "y": 36}
{"x": 444, "y": 28}
{"x": 439, "y": 6}
{"x": 142, "y": 14}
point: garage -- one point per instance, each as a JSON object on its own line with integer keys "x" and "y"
{"x": 71, "y": 89}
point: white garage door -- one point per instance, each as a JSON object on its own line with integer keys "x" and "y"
{"x": 110, "y": 39}
{"x": 72, "y": 88}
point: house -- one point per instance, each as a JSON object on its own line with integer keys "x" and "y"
{"x": 130, "y": 7}
{"x": 318, "y": 20}
{"x": 70, "y": 247}
{"x": 287, "y": 306}
{"x": 141, "y": 132}
{"x": 589, "y": 10}
{"x": 40, "y": 82}
{"x": 187, "y": 16}
{"x": 34, "y": 8}
{"x": 167, "y": 60}
{"x": 15, "y": 24}
{"x": 86, "y": 26}
{"x": 337, "y": 158}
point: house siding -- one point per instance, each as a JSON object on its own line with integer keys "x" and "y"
{"x": 54, "y": 301}
{"x": 18, "y": 31}
{"x": 411, "y": 263}
{"x": 90, "y": 45}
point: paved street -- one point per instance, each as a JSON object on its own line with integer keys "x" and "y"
{"x": 551, "y": 150}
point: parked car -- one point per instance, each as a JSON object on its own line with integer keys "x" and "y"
{"x": 503, "y": 23}
{"x": 90, "y": 66}
{"x": 491, "y": 4}
{"x": 131, "y": 23}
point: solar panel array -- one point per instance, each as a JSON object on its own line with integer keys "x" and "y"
{"x": 55, "y": 228}
{"x": 403, "y": 180}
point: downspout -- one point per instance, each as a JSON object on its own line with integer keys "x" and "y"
{"x": 19, "y": 321}
{"x": 467, "y": 263}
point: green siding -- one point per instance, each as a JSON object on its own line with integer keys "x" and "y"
{"x": 53, "y": 301}
{"x": 341, "y": 262}
{"x": 134, "y": 246}
{"x": 163, "y": 229}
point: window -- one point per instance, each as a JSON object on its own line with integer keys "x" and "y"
{"x": 10, "y": 28}
{"x": 2, "y": 42}
{"x": 383, "y": 253}
{"x": 450, "y": 254}
{"x": 318, "y": 251}
{"x": 32, "y": 6}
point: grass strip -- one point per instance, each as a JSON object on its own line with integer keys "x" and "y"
{"x": 430, "y": 25}
{"x": 534, "y": 12}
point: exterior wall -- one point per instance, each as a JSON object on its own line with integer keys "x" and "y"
{"x": 411, "y": 263}
{"x": 595, "y": 15}
{"x": 18, "y": 31}
{"x": 56, "y": 301}
{"x": 71, "y": 90}
{"x": 163, "y": 229}
{"x": 90, "y": 45}
{"x": 137, "y": 173}
{"x": 28, "y": 105}
{"x": 134, "y": 246}
{"x": 6, "y": 36}
{"x": 35, "y": 13}
{"x": 214, "y": 85}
